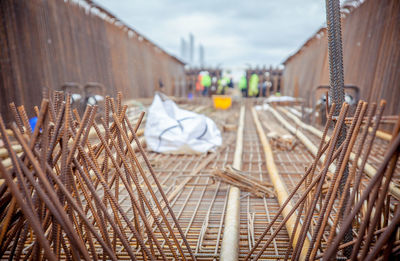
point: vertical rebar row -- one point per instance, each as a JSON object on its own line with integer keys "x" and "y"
{"x": 64, "y": 189}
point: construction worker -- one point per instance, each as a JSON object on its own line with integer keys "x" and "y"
{"x": 219, "y": 86}
{"x": 199, "y": 85}
{"x": 222, "y": 85}
{"x": 206, "y": 82}
{"x": 230, "y": 84}
{"x": 253, "y": 86}
{"x": 264, "y": 89}
{"x": 243, "y": 85}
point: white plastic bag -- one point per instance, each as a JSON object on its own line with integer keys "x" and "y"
{"x": 170, "y": 129}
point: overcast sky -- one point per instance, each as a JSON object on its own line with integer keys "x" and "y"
{"x": 233, "y": 33}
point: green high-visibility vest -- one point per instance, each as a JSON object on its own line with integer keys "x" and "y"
{"x": 206, "y": 81}
{"x": 253, "y": 86}
{"x": 243, "y": 83}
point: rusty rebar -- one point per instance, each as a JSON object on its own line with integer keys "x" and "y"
{"x": 57, "y": 177}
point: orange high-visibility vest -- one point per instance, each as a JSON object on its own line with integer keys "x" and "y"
{"x": 199, "y": 85}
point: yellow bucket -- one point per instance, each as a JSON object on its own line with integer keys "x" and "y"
{"x": 222, "y": 102}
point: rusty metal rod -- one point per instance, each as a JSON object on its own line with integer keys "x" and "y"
{"x": 331, "y": 250}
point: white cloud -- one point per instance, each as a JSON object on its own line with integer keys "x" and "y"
{"x": 233, "y": 32}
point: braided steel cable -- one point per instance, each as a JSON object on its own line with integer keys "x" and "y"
{"x": 335, "y": 53}
{"x": 336, "y": 79}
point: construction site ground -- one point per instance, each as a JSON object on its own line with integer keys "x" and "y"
{"x": 200, "y": 201}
